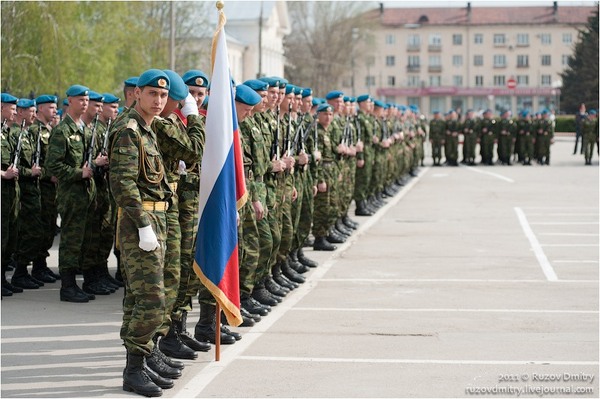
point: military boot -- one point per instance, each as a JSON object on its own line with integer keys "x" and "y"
{"x": 252, "y": 306}
{"x": 342, "y": 228}
{"x": 275, "y": 288}
{"x": 247, "y": 315}
{"x": 293, "y": 262}
{"x": 162, "y": 382}
{"x": 22, "y": 279}
{"x": 166, "y": 359}
{"x": 321, "y": 244}
{"x": 91, "y": 283}
{"x": 281, "y": 279}
{"x": 69, "y": 291}
{"x": 262, "y": 295}
{"x": 205, "y": 330}
{"x": 225, "y": 330}
{"x": 349, "y": 222}
{"x": 155, "y": 362}
{"x": 361, "y": 209}
{"x": 172, "y": 346}
{"x": 304, "y": 260}
{"x": 188, "y": 339}
{"x": 291, "y": 273}
{"x": 135, "y": 377}
{"x": 41, "y": 272}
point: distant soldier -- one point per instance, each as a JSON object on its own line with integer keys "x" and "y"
{"x": 437, "y": 131}
{"x": 469, "y": 131}
{"x": 589, "y": 129}
{"x": 544, "y": 138}
{"x": 487, "y": 137}
{"x": 505, "y": 131}
{"x": 525, "y": 138}
{"x": 451, "y": 140}
{"x": 579, "y": 118}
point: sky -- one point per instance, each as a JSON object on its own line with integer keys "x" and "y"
{"x": 484, "y": 3}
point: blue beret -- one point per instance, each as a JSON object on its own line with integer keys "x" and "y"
{"x": 289, "y": 89}
{"x": 346, "y": 99}
{"x": 306, "y": 92}
{"x": 77, "y": 90}
{"x": 334, "y": 94}
{"x": 524, "y": 113}
{"x": 46, "y": 99}
{"x": 131, "y": 82}
{"x": 316, "y": 101}
{"x": 66, "y": 101}
{"x": 110, "y": 98}
{"x": 257, "y": 85}
{"x": 195, "y": 77}
{"x": 59, "y": 112}
{"x": 297, "y": 90}
{"x": 178, "y": 90}
{"x": 9, "y": 98}
{"x": 487, "y": 111}
{"x": 379, "y": 104}
{"x": 282, "y": 82}
{"x": 592, "y": 112}
{"x": 205, "y": 101}
{"x": 324, "y": 107}
{"x": 363, "y": 97}
{"x": 25, "y": 103}
{"x": 96, "y": 96}
{"x": 246, "y": 95}
{"x": 273, "y": 82}
{"x": 450, "y": 111}
{"x": 544, "y": 112}
{"x": 154, "y": 78}
{"x": 436, "y": 112}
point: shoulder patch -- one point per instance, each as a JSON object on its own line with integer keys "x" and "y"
{"x": 132, "y": 124}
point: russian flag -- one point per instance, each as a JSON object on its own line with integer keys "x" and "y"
{"x": 222, "y": 190}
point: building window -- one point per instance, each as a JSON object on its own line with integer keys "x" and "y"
{"x": 478, "y": 80}
{"x": 370, "y": 81}
{"x": 522, "y": 39}
{"x": 457, "y": 39}
{"x": 435, "y": 39}
{"x": 546, "y": 59}
{"x": 435, "y": 60}
{"x": 499, "y": 61}
{"x": 478, "y": 60}
{"x": 499, "y": 39}
{"x": 391, "y": 81}
{"x": 478, "y": 38}
{"x": 457, "y": 60}
{"x": 480, "y": 103}
{"x": 390, "y": 60}
{"x": 457, "y": 80}
{"x": 437, "y": 104}
{"x": 546, "y": 38}
{"x": 499, "y": 80}
{"x": 414, "y": 63}
{"x": 435, "y": 80}
{"x": 567, "y": 38}
{"x": 565, "y": 59}
{"x": 413, "y": 81}
{"x": 347, "y": 81}
{"x": 522, "y": 80}
{"x": 390, "y": 39}
{"x": 522, "y": 61}
{"x": 414, "y": 42}
{"x": 546, "y": 80}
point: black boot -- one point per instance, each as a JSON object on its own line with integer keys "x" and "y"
{"x": 172, "y": 346}
{"x": 162, "y": 382}
{"x": 349, "y": 222}
{"x": 166, "y": 359}
{"x": 321, "y": 244}
{"x": 281, "y": 279}
{"x": 291, "y": 273}
{"x": 188, "y": 339}
{"x": 92, "y": 285}
{"x": 155, "y": 362}
{"x": 205, "y": 329}
{"x": 22, "y": 279}
{"x": 274, "y": 288}
{"x": 135, "y": 378}
{"x": 41, "y": 272}
{"x": 252, "y": 306}
{"x": 8, "y": 286}
{"x": 262, "y": 295}
{"x": 304, "y": 260}
{"x": 296, "y": 265}
{"x": 69, "y": 291}
{"x": 247, "y": 315}
{"x": 333, "y": 237}
{"x": 362, "y": 210}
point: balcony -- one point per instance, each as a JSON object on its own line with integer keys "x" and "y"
{"x": 413, "y": 68}
{"x": 434, "y": 68}
{"x": 522, "y": 65}
{"x": 435, "y": 48}
{"x": 413, "y": 48}
{"x": 499, "y": 66}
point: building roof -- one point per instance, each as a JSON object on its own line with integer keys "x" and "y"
{"x": 484, "y": 15}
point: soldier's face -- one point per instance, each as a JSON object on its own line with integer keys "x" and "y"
{"x": 306, "y": 104}
{"x": 151, "y": 100}
{"x": 170, "y": 106}
{"x": 242, "y": 110}
{"x": 263, "y": 103}
{"x": 287, "y": 101}
{"x": 199, "y": 93}
{"x": 110, "y": 111}
{"x": 78, "y": 105}
{"x": 337, "y": 104}
{"x": 46, "y": 112}
{"x": 94, "y": 108}
{"x": 27, "y": 114}
{"x": 273, "y": 96}
{"x": 9, "y": 112}
{"x": 325, "y": 118}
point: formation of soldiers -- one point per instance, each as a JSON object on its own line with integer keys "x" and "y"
{"x": 525, "y": 139}
{"x": 128, "y": 183}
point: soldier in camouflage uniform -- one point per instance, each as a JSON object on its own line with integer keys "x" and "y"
{"x": 10, "y": 191}
{"x": 141, "y": 191}
{"x": 525, "y": 139}
{"x": 469, "y": 128}
{"x": 544, "y": 138}
{"x": 589, "y": 130}
{"x": 505, "y": 131}
{"x": 437, "y": 131}
{"x": 76, "y": 191}
{"x": 364, "y": 156}
{"x": 487, "y": 137}
{"x": 451, "y": 140}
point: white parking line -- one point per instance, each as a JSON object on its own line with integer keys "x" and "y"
{"x": 485, "y": 172}
{"x": 535, "y": 245}
{"x": 418, "y": 361}
{"x": 418, "y": 310}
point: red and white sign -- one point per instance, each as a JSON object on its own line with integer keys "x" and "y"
{"x": 511, "y": 83}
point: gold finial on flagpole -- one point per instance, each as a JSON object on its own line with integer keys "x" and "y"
{"x": 220, "y": 5}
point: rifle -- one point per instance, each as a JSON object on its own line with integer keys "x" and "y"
{"x": 89, "y": 154}
{"x": 275, "y": 145}
{"x": 4, "y": 123}
{"x": 17, "y": 157}
{"x": 104, "y": 150}
{"x": 357, "y": 124}
{"x": 299, "y": 137}
{"x": 35, "y": 159}
{"x": 288, "y": 132}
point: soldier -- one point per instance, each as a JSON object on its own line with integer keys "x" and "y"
{"x": 505, "y": 131}
{"x": 589, "y": 130}
{"x": 46, "y": 111}
{"x": 141, "y": 191}
{"x": 76, "y": 190}
{"x": 525, "y": 138}
{"x": 451, "y": 140}
{"x": 10, "y": 191}
{"x": 364, "y": 158}
{"x": 544, "y": 138}
{"x": 129, "y": 90}
{"x": 487, "y": 137}
{"x": 437, "y": 130}
{"x": 579, "y": 118}
{"x": 469, "y": 128}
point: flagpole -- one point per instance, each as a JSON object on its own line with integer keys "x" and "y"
{"x": 218, "y": 333}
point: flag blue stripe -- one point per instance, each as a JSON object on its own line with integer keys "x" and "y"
{"x": 217, "y": 229}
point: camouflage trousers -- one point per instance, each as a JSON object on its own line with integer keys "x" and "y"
{"x": 10, "y": 212}
{"x": 189, "y": 283}
{"x": 144, "y": 309}
{"x": 347, "y": 192}
{"x": 287, "y": 223}
{"x": 30, "y": 222}
{"x": 75, "y": 205}
{"x": 102, "y": 229}
{"x": 362, "y": 179}
{"x": 379, "y": 171}
{"x": 325, "y": 203}
{"x": 49, "y": 215}
{"x": 487, "y": 147}
{"x": 265, "y": 238}
{"x": 249, "y": 248}
{"x": 275, "y": 194}
{"x": 302, "y": 209}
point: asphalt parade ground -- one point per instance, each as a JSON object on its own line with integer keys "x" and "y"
{"x": 470, "y": 282}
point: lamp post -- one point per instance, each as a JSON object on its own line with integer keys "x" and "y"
{"x": 354, "y": 37}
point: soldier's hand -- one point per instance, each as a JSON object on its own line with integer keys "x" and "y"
{"x": 302, "y": 158}
{"x": 36, "y": 171}
{"x": 86, "y": 171}
{"x": 190, "y": 106}
{"x": 10, "y": 173}
{"x": 317, "y": 155}
{"x": 54, "y": 179}
{"x": 375, "y": 139}
{"x": 360, "y": 163}
{"x": 148, "y": 241}
{"x": 276, "y": 166}
{"x": 101, "y": 160}
{"x": 360, "y": 146}
{"x": 259, "y": 211}
{"x": 294, "y": 195}
{"x": 322, "y": 187}
{"x": 289, "y": 162}
{"x": 314, "y": 190}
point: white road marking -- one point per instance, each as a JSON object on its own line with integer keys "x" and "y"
{"x": 418, "y": 310}
{"x": 46, "y": 326}
{"x": 485, "y": 172}
{"x": 561, "y": 223}
{"x": 418, "y": 361}
{"x": 568, "y": 245}
{"x": 570, "y": 234}
{"x": 65, "y": 338}
{"x": 449, "y": 280}
{"x": 563, "y": 214}
{"x": 575, "y": 261}
{"x": 535, "y": 245}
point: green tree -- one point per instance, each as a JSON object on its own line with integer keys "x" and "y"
{"x": 580, "y": 78}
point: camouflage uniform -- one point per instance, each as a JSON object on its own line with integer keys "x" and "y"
{"x": 487, "y": 136}
{"x": 10, "y": 204}
{"x": 141, "y": 191}
{"x": 436, "y": 136}
{"x": 525, "y": 140}
{"x": 589, "y": 129}
{"x": 505, "y": 131}
{"x": 306, "y": 173}
{"x": 451, "y": 144}
{"x": 363, "y": 175}
{"x": 469, "y": 128}
{"x": 545, "y": 134}
{"x": 328, "y": 173}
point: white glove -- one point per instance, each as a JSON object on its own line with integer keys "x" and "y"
{"x": 190, "y": 106}
{"x": 182, "y": 168}
{"x": 148, "y": 240}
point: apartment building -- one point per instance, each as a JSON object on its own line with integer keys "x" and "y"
{"x": 460, "y": 58}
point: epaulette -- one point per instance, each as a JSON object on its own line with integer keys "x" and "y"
{"x": 159, "y": 118}
{"x": 132, "y": 124}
